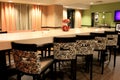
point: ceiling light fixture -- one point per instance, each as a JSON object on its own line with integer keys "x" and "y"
{"x": 10, "y": 1}
{"x": 91, "y": 3}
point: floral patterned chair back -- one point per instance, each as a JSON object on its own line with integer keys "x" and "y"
{"x": 85, "y": 48}
{"x": 100, "y": 41}
{"x": 64, "y": 48}
{"x": 26, "y": 58}
{"x": 65, "y": 55}
{"x": 112, "y": 38}
{"x": 84, "y": 44}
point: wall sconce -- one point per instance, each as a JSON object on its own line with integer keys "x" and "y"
{"x": 103, "y": 16}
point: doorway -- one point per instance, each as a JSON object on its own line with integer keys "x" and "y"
{"x": 71, "y": 16}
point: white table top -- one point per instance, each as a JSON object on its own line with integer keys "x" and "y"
{"x": 40, "y": 37}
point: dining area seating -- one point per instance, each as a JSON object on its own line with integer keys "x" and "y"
{"x": 100, "y": 47}
{"x": 27, "y": 61}
{"x": 106, "y": 43}
{"x": 112, "y": 44}
{"x": 85, "y": 48}
{"x": 64, "y": 53}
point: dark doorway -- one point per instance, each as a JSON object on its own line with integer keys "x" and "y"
{"x": 92, "y": 19}
{"x": 71, "y": 16}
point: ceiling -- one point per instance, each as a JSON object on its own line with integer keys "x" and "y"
{"x": 80, "y": 4}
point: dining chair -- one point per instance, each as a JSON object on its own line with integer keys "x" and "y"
{"x": 46, "y": 49}
{"x": 7, "y": 51}
{"x": 27, "y": 61}
{"x": 100, "y": 46}
{"x": 65, "y": 55}
{"x": 85, "y": 48}
{"x": 8, "y": 68}
{"x": 112, "y": 43}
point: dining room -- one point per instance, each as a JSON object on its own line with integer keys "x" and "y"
{"x": 40, "y": 22}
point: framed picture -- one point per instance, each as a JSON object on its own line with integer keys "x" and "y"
{"x": 117, "y": 27}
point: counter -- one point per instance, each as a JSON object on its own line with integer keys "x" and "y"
{"x": 40, "y": 37}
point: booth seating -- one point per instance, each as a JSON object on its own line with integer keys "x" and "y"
{"x": 27, "y": 61}
{"x": 85, "y": 48}
{"x": 65, "y": 55}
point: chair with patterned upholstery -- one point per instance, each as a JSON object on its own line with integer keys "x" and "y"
{"x": 46, "y": 50}
{"x": 27, "y": 61}
{"x": 112, "y": 43}
{"x": 100, "y": 46}
{"x": 65, "y": 54}
{"x": 85, "y": 48}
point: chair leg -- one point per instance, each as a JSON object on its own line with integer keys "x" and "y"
{"x": 110, "y": 55}
{"x": 98, "y": 55}
{"x": 37, "y": 77}
{"x": 34, "y": 77}
{"x": 73, "y": 69}
{"x": 52, "y": 77}
{"x": 91, "y": 66}
{"x": 19, "y": 76}
{"x": 87, "y": 63}
{"x": 102, "y": 61}
{"x": 115, "y": 56}
{"x": 55, "y": 70}
{"x": 43, "y": 77}
{"x": 9, "y": 59}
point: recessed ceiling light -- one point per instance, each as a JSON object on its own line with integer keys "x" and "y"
{"x": 10, "y": 1}
{"x": 91, "y": 3}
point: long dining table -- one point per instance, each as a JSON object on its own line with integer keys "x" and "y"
{"x": 39, "y": 37}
